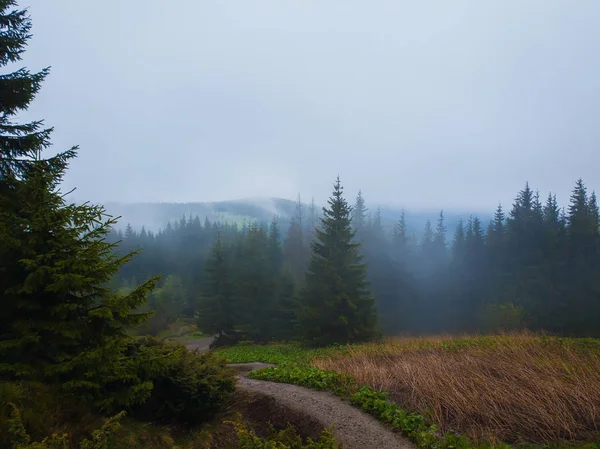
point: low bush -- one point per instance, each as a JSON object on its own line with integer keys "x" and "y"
{"x": 187, "y": 387}
{"x": 314, "y": 378}
{"x": 18, "y": 438}
{"x": 283, "y": 439}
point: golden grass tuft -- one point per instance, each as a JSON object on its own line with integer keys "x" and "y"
{"x": 510, "y": 387}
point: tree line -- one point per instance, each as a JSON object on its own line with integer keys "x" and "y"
{"x": 536, "y": 266}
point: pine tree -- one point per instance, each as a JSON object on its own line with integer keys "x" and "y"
{"x": 275, "y": 245}
{"x": 458, "y": 242}
{"x": 439, "y": 245}
{"x": 336, "y": 305}
{"x": 583, "y": 252}
{"x": 496, "y": 236}
{"x": 255, "y": 285}
{"x": 20, "y": 144}
{"x": 295, "y": 254}
{"x": 61, "y": 323}
{"x": 359, "y": 215}
{"x": 427, "y": 239}
{"x": 217, "y": 307}
{"x": 400, "y": 233}
{"x": 311, "y": 224}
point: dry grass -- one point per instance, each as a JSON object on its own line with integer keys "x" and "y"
{"x": 510, "y": 387}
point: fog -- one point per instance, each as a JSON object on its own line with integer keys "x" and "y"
{"x": 420, "y": 104}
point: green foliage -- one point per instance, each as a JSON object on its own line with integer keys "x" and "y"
{"x": 216, "y": 311}
{"x": 166, "y": 304}
{"x": 102, "y": 438}
{"x": 279, "y": 354}
{"x": 61, "y": 323}
{"x": 246, "y": 295}
{"x": 314, "y": 378}
{"x": 295, "y": 252}
{"x": 335, "y": 304}
{"x": 502, "y": 318}
{"x": 186, "y": 387}
{"x": 255, "y": 287}
{"x": 283, "y": 439}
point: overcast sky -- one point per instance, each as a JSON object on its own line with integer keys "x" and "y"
{"x": 423, "y": 104}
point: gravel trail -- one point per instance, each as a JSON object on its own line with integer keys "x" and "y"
{"x": 355, "y": 429}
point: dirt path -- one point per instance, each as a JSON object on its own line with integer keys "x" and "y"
{"x": 355, "y": 429}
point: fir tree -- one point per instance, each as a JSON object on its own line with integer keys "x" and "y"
{"x": 255, "y": 285}
{"x": 439, "y": 245}
{"x": 427, "y": 240}
{"x": 294, "y": 251}
{"x": 61, "y": 322}
{"x": 359, "y": 215}
{"x": 400, "y": 233}
{"x": 217, "y": 309}
{"x": 336, "y": 305}
{"x": 21, "y": 145}
{"x": 275, "y": 245}
{"x": 313, "y": 216}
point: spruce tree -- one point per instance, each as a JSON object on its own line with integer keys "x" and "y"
{"x": 275, "y": 246}
{"x": 359, "y": 215}
{"x": 584, "y": 264}
{"x": 295, "y": 251}
{"x": 255, "y": 284}
{"x": 311, "y": 222}
{"x": 60, "y": 322}
{"x": 217, "y": 309}
{"x": 427, "y": 239}
{"x": 439, "y": 245}
{"x": 336, "y": 306}
{"x": 20, "y": 144}
{"x": 400, "y": 234}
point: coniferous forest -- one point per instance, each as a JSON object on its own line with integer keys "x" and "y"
{"x": 535, "y": 265}
{"x": 85, "y": 362}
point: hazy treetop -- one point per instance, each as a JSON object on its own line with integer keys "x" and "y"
{"x": 421, "y": 103}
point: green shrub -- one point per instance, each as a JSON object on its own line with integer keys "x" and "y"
{"x": 18, "y": 438}
{"x": 314, "y": 378}
{"x": 283, "y": 439}
{"x": 503, "y": 317}
{"x": 188, "y": 387}
{"x": 41, "y": 408}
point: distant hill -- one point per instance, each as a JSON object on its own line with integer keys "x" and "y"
{"x": 156, "y": 216}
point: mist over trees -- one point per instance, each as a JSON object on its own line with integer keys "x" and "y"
{"x": 535, "y": 266}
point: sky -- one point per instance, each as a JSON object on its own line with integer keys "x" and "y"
{"x": 421, "y": 104}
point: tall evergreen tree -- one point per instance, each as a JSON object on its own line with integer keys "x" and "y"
{"x": 336, "y": 305}
{"x": 359, "y": 215}
{"x": 217, "y": 309}
{"x": 295, "y": 252}
{"x": 275, "y": 245}
{"x": 255, "y": 285}
{"x": 311, "y": 222}
{"x": 61, "y": 323}
{"x": 583, "y": 310}
{"x": 20, "y": 144}
{"x": 439, "y": 245}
